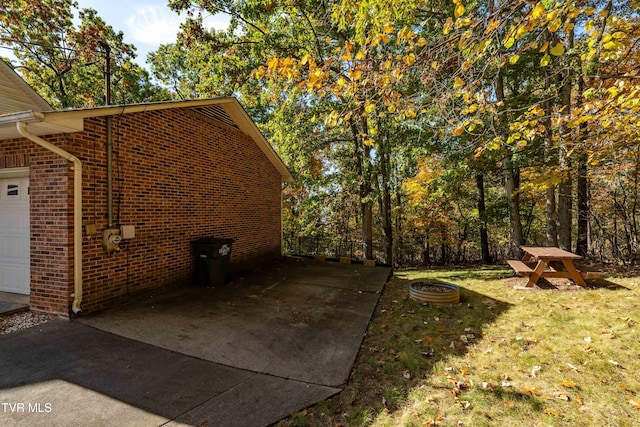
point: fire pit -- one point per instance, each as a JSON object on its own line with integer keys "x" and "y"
{"x": 434, "y": 292}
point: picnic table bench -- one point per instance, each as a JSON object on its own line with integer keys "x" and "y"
{"x": 543, "y": 261}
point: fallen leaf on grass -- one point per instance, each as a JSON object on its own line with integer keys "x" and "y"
{"x": 572, "y": 367}
{"x": 433, "y": 422}
{"x": 568, "y": 383}
{"x": 551, "y": 412}
{"x": 561, "y": 396}
{"x": 625, "y": 388}
{"x": 608, "y": 333}
{"x": 629, "y": 321}
{"x": 614, "y": 363}
{"x": 635, "y": 403}
{"x": 406, "y": 375}
{"x": 509, "y": 403}
{"x": 531, "y": 391}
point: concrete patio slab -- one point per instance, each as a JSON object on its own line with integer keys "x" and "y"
{"x": 301, "y": 320}
{"x": 64, "y": 373}
{"x": 245, "y": 354}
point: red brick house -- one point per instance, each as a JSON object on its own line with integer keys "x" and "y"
{"x": 152, "y": 177}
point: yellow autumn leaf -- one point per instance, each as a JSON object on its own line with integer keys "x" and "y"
{"x": 514, "y": 59}
{"x": 531, "y": 391}
{"x": 482, "y": 46}
{"x": 458, "y": 83}
{"x": 491, "y": 27}
{"x": 422, "y": 41}
{"x": 272, "y": 63}
{"x": 355, "y": 75}
{"x": 448, "y": 26}
{"x": 434, "y": 64}
{"x": 341, "y": 81}
{"x": 370, "y": 108}
{"x": 409, "y": 59}
{"x": 545, "y": 60}
{"x": 509, "y": 42}
{"x": 459, "y": 11}
{"x": 538, "y": 11}
{"x": 544, "y": 47}
{"x": 554, "y": 25}
{"x": 568, "y": 383}
{"x": 619, "y": 35}
{"x": 557, "y": 50}
{"x": 388, "y": 28}
{"x": 458, "y": 131}
{"x": 306, "y": 58}
{"x": 551, "y": 412}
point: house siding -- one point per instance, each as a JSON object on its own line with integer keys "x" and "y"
{"x": 177, "y": 176}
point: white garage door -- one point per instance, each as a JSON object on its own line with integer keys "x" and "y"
{"x": 14, "y": 235}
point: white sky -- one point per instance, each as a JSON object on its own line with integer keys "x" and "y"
{"x": 146, "y": 23}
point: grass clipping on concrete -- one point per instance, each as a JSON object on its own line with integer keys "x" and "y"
{"x": 567, "y": 356}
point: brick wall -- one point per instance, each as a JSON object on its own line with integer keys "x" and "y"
{"x": 50, "y": 207}
{"x": 177, "y": 176}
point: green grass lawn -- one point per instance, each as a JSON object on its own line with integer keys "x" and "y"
{"x": 541, "y": 357}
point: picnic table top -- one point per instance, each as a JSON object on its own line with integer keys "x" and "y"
{"x": 549, "y": 252}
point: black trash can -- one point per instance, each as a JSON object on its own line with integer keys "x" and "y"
{"x": 212, "y": 257}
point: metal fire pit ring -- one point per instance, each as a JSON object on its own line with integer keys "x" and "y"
{"x": 435, "y": 292}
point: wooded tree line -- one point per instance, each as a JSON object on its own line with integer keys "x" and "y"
{"x": 418, "y": 131}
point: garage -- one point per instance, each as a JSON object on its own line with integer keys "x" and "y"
{"x": 14, "y": 231}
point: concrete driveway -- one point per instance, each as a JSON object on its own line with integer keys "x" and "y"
{"x": 246, "y": 354}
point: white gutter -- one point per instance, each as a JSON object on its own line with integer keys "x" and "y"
{"x": 77, "y": 210}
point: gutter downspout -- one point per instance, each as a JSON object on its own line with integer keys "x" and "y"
{"x": 77, "y": 210}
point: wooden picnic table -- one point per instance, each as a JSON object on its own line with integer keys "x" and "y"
{"x": 550, "y": 261}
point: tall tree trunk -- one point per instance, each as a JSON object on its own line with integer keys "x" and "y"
{"x": 565, "y": 189}
{"x": 510, "y": 185}
{"x": 511, "y": 188}
{"x": 399, "y": 240}
{"x": 565, "y": 202}
{"x": 385, "y": 197}
{"x": 363, "y": 164}
{"x": 582, "y": 242}
{"x": 550, "y": 205}
{"x": 384, "y": 155}
{"x": 482, "y": 214}
{"x": 510, "y": 178}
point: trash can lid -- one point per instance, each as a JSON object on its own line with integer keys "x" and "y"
{"x": 213, "y": 241}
